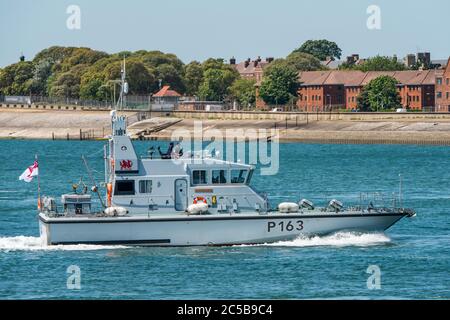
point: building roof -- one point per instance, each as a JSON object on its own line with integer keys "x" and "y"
{"x": 166, "y": 92}
{"x": 313, "y": 78}
{"x": 252, "y": 67}
{"x": 359, "y": 78}
{"x": 439, "y": 62}
{"x": 347, "y": 78}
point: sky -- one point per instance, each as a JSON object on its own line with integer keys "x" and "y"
{"x": 199, "y": 29}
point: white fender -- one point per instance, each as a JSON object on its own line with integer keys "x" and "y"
{"x": 288, "y": 207}
{"x": 198, "y": 208}
{"x": 115, "y": 211}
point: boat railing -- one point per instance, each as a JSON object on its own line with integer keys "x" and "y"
{"x": 379, "y": 200}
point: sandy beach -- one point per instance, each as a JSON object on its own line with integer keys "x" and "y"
{"x": 46, "y": 124}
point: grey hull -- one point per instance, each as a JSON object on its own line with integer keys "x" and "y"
{"x": 205, "y": 230}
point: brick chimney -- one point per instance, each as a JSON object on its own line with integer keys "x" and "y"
{"x": 233, "y": 61}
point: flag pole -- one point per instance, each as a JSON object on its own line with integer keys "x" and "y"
{"x": 39, "y": 183}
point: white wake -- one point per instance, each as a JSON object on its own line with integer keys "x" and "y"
{"x": 36, "y": 243}
{"x": 339, "y": 239}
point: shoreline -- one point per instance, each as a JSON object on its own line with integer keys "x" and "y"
{"x": 95, "y": 125}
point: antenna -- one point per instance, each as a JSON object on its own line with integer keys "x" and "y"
{"x": 94, "y": 187}
{"x": 123, "y": 85}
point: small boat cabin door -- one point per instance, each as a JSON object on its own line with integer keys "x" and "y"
{"x": 180, "y": 194}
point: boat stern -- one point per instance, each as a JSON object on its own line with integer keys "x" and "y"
{"x": 44, "y": 229}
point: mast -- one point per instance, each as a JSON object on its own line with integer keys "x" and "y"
{"x": 105, "y": 159}
{"x": 39, "y": 183}
{"x": 123, "y": 86}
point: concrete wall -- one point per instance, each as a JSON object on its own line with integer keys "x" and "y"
{"x": 255, "y": 115}
{"x": 303, "y": 116}
{"x": 47, "y": 107}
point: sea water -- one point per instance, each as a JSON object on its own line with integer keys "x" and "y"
{"x": 413, "y": 257}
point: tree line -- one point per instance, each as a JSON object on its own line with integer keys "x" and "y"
{"x": 84, "y": 73}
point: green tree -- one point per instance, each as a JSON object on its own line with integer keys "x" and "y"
{"x": 380, "y": 94}
{"x": 66, "y": 85}
{"x": 41, "y": 74}
{"x": 139, "y": 77}
{"x": 68, "y": 66}
{"x": 299, "y": 61}
{"x": 362, "y": 101}
{"x": 16, "y": 78}
{"x": 380, "y": 63}
{"x": 216, "y": 83}
{"x": 217, "y": 79}
{"x": 212, "y": 63}
{"x": 321, "y": 49}
{"x": 304, "y": 62}
{"x": 193, "y": 77}
{"x": 169, "y": 75}
{"x": 156, "y": 58}
{"x": 244, "y": 92}
{"x": 279, "y": 85}
{"x": 54, "y": 53}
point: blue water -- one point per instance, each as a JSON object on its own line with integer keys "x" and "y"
{"x": 413, "y": 256}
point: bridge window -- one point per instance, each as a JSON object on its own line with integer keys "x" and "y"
{"x": 219, "y": 176}
{"x": 145, "y": 186}
{"x": 250, "y": 174}
{"x": 238, "y": 176}
{"x": 124, "y": 188}
{"x": 199, "y": 177}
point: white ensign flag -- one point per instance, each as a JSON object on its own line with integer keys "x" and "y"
{"x": 30, "y": 172}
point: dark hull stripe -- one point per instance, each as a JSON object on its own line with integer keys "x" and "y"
{"x": 116, "y": 242}
{"x": 206, "y": 218}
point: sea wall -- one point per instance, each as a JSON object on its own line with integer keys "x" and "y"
{"x": 253, "y": 115}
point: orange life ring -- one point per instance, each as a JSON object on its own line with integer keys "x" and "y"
{"x": 197, "y": 199}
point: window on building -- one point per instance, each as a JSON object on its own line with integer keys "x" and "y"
{"x": 238, "y": 176}
{"x": 124, "y": 188}
{"x": 199, "y": 177}
{"x": 219, "y": 176}
{"x": 145, "y": 186}
{"x": 447, "y": 95}
{"x": 447, "y": 81}
{"x": 439, "y": 94}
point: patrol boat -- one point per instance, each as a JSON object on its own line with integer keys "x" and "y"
{"x": 191, "y": 200}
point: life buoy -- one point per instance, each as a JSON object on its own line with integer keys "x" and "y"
{"x": 197, "y": 199}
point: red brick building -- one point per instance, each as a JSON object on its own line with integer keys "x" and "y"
{"x": 443, "y": 89}
{"x": 249, "y": 69}
{"x": 325, "y": 90}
